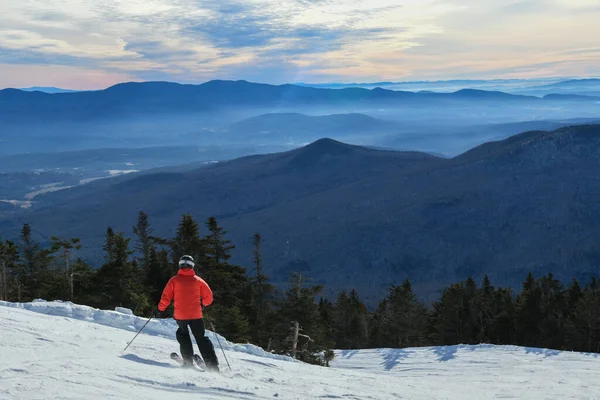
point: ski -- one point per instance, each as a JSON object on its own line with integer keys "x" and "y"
{"x": 197, "y": 361}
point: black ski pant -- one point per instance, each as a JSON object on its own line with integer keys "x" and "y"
{"x": 205, "y": 346}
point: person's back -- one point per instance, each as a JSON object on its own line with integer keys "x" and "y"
{"x": 190, "y": 294}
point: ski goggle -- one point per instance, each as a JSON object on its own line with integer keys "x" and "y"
{"x": 186, "y": 262}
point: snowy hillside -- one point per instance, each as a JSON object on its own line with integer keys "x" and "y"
{"x": 64, "y": 351}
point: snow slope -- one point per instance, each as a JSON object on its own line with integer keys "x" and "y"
{"x": 64, "y": 351}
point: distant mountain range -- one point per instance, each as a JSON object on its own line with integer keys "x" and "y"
{"x": 350, "y": 216}
{"x": 129, "y": 99}
{"x": 232, "y": 113}
{"x": 581, "y": 87}
{"x": 505, "y": 85}
{"x": 47, "y": 89}
{"x": 576, "y": 83}
{"x": 444, "y": 85}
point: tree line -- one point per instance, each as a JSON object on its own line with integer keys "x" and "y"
{"x": 297, "y": 320}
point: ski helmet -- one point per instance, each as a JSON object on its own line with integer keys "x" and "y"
{"x": 186, "y": 262}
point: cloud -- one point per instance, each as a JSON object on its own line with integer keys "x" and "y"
{"x": 280, "y": 40}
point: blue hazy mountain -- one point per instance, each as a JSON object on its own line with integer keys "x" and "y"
{"x": 45, "y": 89}
{"x": 152, "y": 114}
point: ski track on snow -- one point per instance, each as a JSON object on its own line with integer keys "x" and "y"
{"x": 58, "y": 350}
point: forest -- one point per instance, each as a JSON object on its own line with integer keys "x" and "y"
{"x": 545, "y": 312}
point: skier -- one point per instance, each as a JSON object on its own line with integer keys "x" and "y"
{"x": 191, "y": 294}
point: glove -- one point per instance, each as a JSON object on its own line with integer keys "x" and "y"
{"x": 157, "y": 313}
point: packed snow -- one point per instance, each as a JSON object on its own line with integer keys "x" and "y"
{"x": 58, "y": 350}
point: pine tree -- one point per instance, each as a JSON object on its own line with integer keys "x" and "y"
{"x": 187, "y": 241}
{"x": 156, "y": 269}
{"x": 65, "y": 247}
{"x": 262, "y": 292}
{"x": 502, "y": 330}
{"x": 299, "y": 310}
{"x": 9, "y": 272}
{"x": 400, "y": 319}
{"x": 553, "y": 303}
{"x": 145, "y": 241}
{"x": 327, "y": 316}
{"x": 232, "y": 308}
{"x": 119, "y": 280}
{"x": 350, "y": 321}
{"x": 358, "y": 327}
{"x": 218, "y": 248}
{"x": 452, "y": 317}
{"x": 574, "y": 294}
{"x": 584, "y": 328}
{"x": 341, "y": 321}
{"x": 84, "y": 287}
{"x": 228, "y": 278}
{"x": 528, "y": 314}
{"x": 33, "y": 276}
{"x": 484, "y": 311}
{"x": 109, "y": 245}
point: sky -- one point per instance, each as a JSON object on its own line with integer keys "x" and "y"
{"x": 92, "y": 44}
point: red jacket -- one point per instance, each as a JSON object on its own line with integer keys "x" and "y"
{"x": 188, "y": 290}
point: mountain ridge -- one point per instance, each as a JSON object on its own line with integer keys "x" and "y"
{"x": 355, "y": 217}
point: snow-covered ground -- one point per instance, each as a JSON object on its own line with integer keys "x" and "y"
{"x": 64, "y": 351}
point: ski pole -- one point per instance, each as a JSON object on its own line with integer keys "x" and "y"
{"x": 218, "y": 340}
{"x": 140, "y": 331}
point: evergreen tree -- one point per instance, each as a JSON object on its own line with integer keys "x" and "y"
{"x": 119, "y": 280}
{"x": 64, "y": 247}
{"x": 400, "y": 319}
{"x": 328, "y": 320}
{"x": 218, "y": 248}
{"x": 358, "y": 327}
{"x": 155, "y": 266}
{"x": 584, "y": 328}
{"x": 484, "y": 311}
{"x": 84, "y": 285}
{"x": 9, "y": 272}
{"x": 156, "y": 271}
{"x": 350, "y": 321}
{"x": 452, "y": 316}
{"x": 109, "y": 245}
{"x": 145, "y": 242}
{"x": 232, "y": 309}
{"x": 187, "y": 241}
{"x": 502, "y": 330}
{"x": 553, "y": 304}
{"x": 574, "y": 294}
{"x": 262, "y": 292}
{"x": 574, "y": 297}
{"x": 298, "y": 306}
{"x": 528, "y": 313}
{"x": 34, "y": 279}
{"x": 341, "y": 320}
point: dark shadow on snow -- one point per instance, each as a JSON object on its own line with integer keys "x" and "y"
{"x": 392, "y": 357}
{"x": 140, "y": 360}
{"x": 185, "y": 387}
{"x": 445, "y": 353}
{"x": 541, "y": 352}
{"x": 348, "y": 353}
